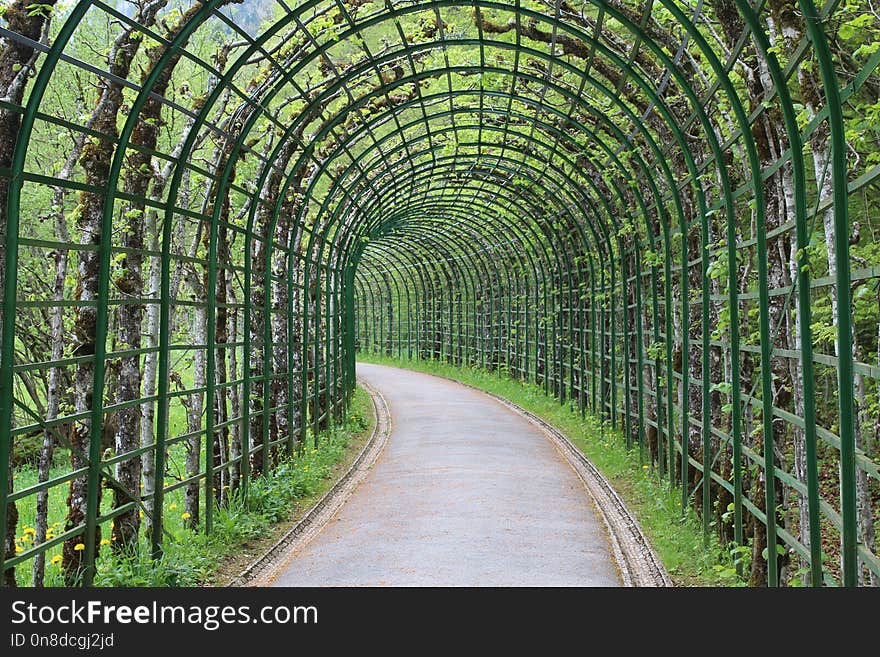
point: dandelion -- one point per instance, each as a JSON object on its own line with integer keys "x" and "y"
{"x": 49, "y": 535}
{"x": 172, "y": 507}
{"x": 79, "y": 547}
{"x": 314, "y": 451}
{"x": 141, "y": 514}
{"x": 185, "y": 515}
{"x": 18, "y": 549}
{"x": 56, "y": 559}
{"x": 644, "y": 467}
{"x": 29, "y": 530}
{"x": 105, "y": 541}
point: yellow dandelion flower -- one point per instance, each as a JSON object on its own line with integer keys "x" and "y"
{"x": 79, "y": 547}
{"x": 29, "y": 530}
{"x": 185, "y": 515}
{"x": 49, "y": 535}
{"x": 644, "y": 467}
{"x": 172, "y": 507}
{"x": 56, "y": 559}
{"x": 314, "y": 451}
{"x": 141, "y": 514}
{"x": 105, "y": 541}
{"x": 18, "y": 549}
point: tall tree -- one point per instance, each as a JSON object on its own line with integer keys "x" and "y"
{"x": 17, "y": 59}
{"x": 95, "y": 161}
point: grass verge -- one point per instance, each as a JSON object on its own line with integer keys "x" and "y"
{"x": 677, "y": 538}
{"x": 242, "y": 531}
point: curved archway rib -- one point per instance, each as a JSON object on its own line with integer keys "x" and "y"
{"x": 611, "y": 200}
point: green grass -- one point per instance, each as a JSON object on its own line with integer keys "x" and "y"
{"x": 677, "y": 539}
{"x": 192, "y": 558}
{"x": 27, "y": 475}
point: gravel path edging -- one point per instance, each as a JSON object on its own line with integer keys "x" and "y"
{"x": 637, "y": 561}
{"x": 263, "y": 570}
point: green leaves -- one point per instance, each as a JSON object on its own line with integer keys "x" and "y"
{"x": 652, "y": 258}
{"x": 657, "y": 351}
{"x": 780, "y": 550}
{"x": 717, "y": 269}
{"x": 39, "y": 9}
{"x": 867, "y": 49}
{"x": 855, "y": 26}
{"x": 823, "y": 333}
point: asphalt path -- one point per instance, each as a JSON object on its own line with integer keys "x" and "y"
{"x": 466, "y": 493}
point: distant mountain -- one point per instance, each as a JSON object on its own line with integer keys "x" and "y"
{"x": 250, "y": 15}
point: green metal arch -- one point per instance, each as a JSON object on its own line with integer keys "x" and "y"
{"x": 597, "y": 240}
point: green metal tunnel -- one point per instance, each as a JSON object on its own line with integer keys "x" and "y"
{"x": 615, "y": 200}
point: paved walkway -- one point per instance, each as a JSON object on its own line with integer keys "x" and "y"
{"x": 466, "y": 493}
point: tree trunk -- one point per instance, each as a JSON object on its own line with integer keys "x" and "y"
{"x": 138, "y": 176}
{"x": 16, "y": 65}
{"x": 787, "y": 16}
{"x": 235, "y": 446}
{"x": 221, "y": 337}
{"x": 54, "y": 391}
{"x": 863, "y": 493}
{"x": 96, "y": 157}
{"x": 771, "y": 142}
{"x": 152, "y": 478}
{"x": 195, "y": 408}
